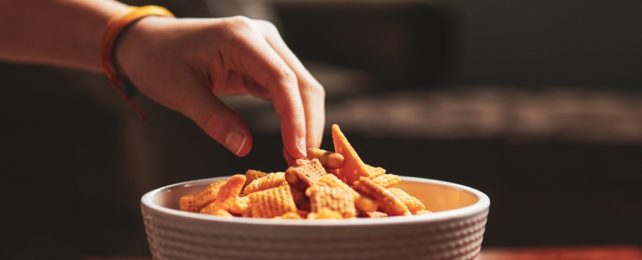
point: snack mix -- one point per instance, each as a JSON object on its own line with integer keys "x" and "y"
{"x": 326, "y": 185}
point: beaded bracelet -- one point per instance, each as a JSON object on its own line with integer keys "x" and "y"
{"x": 115, "y": 27}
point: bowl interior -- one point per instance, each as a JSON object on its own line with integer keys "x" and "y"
{"x": 437, "y": 195}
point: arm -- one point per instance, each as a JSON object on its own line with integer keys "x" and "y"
{"x": 184, "y": 64}
{"x": 64, "y": 33}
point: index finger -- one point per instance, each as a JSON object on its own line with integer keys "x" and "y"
{"x": 261, "y": 62}
{"x": 312, "y": 93}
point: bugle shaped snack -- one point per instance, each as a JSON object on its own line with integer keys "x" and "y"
{"x": 334, "y": 199}
{"x": 304, "y": 173}
{"x": 226, "y": 195}
{"x": 387, "y": 201}
{"x": 387, "y": 180}
{"x": 194, "y": 203}
{"x": 268, "y": 181}
{"x": 252, "y": 175}
{"x": 272, "y": 202}
{"x": 353, "y": 167}
{"x": 413, "y": 204}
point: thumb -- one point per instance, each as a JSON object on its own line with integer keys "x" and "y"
{"x": 214, "y": 118}
{"x": 225, "y": 126}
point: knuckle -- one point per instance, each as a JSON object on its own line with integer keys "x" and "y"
{"x": 315, "y": 89}
{"x": 269, "y": 26}
{"x": 284, "y": 78}
{"x": 240, "y": 22}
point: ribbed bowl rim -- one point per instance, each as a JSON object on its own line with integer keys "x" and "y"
{"x": 147, "y": 200}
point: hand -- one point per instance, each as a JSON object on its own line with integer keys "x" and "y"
{"x": 185, "y": 64}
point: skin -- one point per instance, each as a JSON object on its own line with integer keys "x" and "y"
{"x": 184, "y": 64}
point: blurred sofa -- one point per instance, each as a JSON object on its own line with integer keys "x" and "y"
{"x": 539, "y": 104}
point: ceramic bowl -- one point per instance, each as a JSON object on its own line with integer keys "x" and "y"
{"x": 454, "y": 231}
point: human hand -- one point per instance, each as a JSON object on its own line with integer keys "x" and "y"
{"x": 186, "y": 64}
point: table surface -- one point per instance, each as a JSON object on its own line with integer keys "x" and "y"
{"x": 620, "y": 252}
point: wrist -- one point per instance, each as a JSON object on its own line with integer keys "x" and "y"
{"x": 117, "y": 26}
{"x": 132, "y": 45}
{"x": 114, "y": 31}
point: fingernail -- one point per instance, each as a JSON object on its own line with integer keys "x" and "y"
{"x": 235, "y": 141}
{"x": 301, "y": 146}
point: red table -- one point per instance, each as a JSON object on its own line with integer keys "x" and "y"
{"x": 615, "y": 252}
{"x": 618, "y": 252}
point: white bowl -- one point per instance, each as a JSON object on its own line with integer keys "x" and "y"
{"x": 454, "y": 231}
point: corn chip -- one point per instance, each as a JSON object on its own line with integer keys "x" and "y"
{"x": 353, "y": 167}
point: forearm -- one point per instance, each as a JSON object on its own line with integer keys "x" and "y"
{"x": 57, "y": 32}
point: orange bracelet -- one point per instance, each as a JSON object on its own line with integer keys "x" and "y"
{"x": 116, "y": 25}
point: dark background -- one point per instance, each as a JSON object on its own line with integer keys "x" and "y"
{"x": 536, "y": 103}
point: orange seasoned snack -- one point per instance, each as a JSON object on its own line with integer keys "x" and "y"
{"x": 325, "y": 186}
{"x": 252, "y": 175}
{"x": 268, "y": 181}
{"x": 331, "y": 181}
{"x": 389, "y": 203}
{"x": 335, "y": 199}
{"x": 374, "y": 172}
{"x": 272, "y": 202}
{"x": 329, "y": 160}
{"x": 240, "y": 206}
{"x": 194, "y": 203}
{"x": 353, "y": 167}
{"x": 374, "y": 214}
{"x": 414, "y": 204}
{"x": 304, "y": 173}
{"x": 226, "y": 197}
{"x": 387, "y": 180}
{"x": 365, "y": 204}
